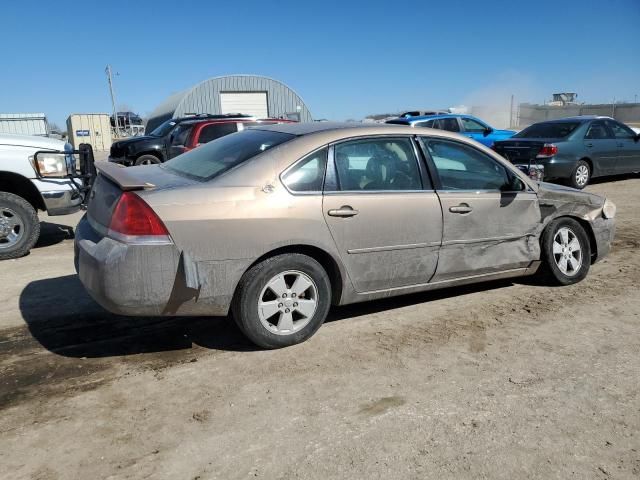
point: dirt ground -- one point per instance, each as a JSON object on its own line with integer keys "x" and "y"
{"x": 503, "y": 380}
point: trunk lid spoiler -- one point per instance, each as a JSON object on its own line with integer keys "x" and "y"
{"x": 122, "y": 176}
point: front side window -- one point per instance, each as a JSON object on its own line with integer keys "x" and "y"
{"x": 620, "y": 131}
{"x": 308, "y": 174}
{"x": 461, "y": 167}
{"x": 377, "y": 164}
{"x": 472, "y": 126}
{"x": 224, "y": 153}
{"x": 216, "y": 130}
{"x": 597, "y": 131}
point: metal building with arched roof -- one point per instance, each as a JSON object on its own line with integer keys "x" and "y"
{"x": 247, "y": 94}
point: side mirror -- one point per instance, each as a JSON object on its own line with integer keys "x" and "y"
{"x": 487, "y": 131}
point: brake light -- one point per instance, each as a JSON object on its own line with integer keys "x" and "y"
{"x": 547, "y": 150}
{"x": 134, "y": 218}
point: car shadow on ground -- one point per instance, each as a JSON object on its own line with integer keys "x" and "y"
{"x": 65, "y": 320}
{"x": 54, "y": 233}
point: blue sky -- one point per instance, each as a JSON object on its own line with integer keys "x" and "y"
{"x": 346, "y": 59}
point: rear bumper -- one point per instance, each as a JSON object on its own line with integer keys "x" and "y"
{"x": 151, "y": 279}
{"x": 125, "y": 279}
{"x": 604, "y": 230}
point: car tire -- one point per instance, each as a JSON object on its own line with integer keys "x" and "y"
{"x": 581, "y": 175}
{"x": 566, "y": 252}
{"x": 19, "y": 226}
{"x": 147, "y": 160}
{"x": 282, "y": 300}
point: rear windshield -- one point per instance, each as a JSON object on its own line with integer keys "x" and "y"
{"x": 548, "y": 130}
{"x": 222, "y": 154}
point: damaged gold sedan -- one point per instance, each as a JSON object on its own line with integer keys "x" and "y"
{"x": 277, "y": 223}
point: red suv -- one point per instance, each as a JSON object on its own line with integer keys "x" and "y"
{"x": 179, "y": 135}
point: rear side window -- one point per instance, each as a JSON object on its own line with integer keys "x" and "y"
{"x": 387, "y": 164}
{"x": 213, "y": 131}
{"x": 222, "y": 154}
{"x": 428, "y": 124}
{"x": 548, "y": 130}
{"x": 449, "y": 124}
{"x": 308, "y": 174}
{"x": 597, "y": 130}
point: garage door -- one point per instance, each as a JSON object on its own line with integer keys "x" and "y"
{"x": 254, "y": 103}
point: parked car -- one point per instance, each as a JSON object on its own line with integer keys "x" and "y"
{"x": 179, "y": 135}
{"x": 23, "y": 194}
{"x": 420, "y": 113}
{"x": 277, "y": 223}
{"x": 575, "y": 149}
{"x": 467, "y": 125}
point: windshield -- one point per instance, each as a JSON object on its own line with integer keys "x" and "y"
{"x": 548, "y": 130}
{"x": 222, "y": 154}
{"x": 163, "y": 129}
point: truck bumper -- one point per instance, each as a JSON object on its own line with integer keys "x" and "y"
{"x": 59, "y": 197}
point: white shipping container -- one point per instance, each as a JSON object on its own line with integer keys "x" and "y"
{"x": 91, "y": 128}
{"x": 24, "y": 123}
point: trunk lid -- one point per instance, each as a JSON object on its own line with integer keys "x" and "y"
{"x": 521, "y": 150}
{"x": 113, "y": 179}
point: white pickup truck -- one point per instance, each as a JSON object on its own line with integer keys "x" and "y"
{"x": 27, "y": 187}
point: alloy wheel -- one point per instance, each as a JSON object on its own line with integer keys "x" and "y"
{"x": 288, "y": 302}
{"x": 567, "y": 251}
{"x": 11, "y": 228}
{"x": 582, "y": 175}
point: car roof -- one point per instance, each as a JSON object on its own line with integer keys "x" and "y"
{"x": 195, "y": 121}
{"x": 422, "y": 118}
{"x": 578, "y": 118}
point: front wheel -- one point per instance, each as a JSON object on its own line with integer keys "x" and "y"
{"x": 19, "y": 226}
{"x": 566, "y": 252}
{"x": 147, "y": 160}
{"x": 581, "y": 175}
{"x": 282, "y": 301}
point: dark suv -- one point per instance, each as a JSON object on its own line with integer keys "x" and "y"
{"x": 179, "y": 135}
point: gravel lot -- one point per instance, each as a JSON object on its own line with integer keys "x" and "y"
{"x": 502, "y": 380}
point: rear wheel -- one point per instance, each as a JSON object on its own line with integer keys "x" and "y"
{"x": 19, "y": 226}
{"x": 147, "y": 160}
{"x": 566, "y": 252}
{"x": 282, "y": 300}
{"x": 581, "y": 175}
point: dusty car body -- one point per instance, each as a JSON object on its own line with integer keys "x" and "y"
{"x": 371, "y": 228}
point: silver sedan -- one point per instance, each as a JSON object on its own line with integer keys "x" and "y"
{"x": 276, "y": 224}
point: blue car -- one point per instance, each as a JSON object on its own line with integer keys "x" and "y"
{"x": 464, "y": 124}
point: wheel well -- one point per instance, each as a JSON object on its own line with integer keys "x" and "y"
{"x": 587, "y": 228}
{"x": 153, "y": 153}
{"x": 590, "y": 163}
{"x": 322, "y": 257}
{"x": 23, "y": 187}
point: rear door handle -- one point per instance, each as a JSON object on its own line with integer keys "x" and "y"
{"x": 462, "y": 208}
{"x": 589, "y": 145}
{"x": 343, "y": 211}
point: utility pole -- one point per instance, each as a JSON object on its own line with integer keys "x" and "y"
{"x": 109, "y": 73}
{"x": 511, "y": 113}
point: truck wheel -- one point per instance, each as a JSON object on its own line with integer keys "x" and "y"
{"x": 19, "y": 226}
{"x": 282, "y": 300}
{"x": 147, "y": 160}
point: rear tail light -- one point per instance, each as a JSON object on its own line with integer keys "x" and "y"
{"x": 547, "y": 150}
{"x": 134, "y": 221}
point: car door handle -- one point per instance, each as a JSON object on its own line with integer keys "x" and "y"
{"x": 343, "y": 211}
{"x": 589, "y": 145}
{"x": 621, "y": 144}
{"x": 462, "y": 208}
